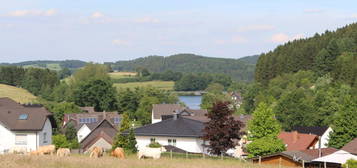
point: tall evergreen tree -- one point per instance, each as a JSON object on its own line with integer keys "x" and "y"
{"x": 344, "y": 125}
{"x": 263, "y": 123}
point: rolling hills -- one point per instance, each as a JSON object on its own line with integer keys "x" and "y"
{"x": 239, "y": 69}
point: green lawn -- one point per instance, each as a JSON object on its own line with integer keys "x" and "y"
{"x": 165, "y": 85}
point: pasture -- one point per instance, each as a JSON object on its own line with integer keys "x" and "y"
{"x": 119, "y": 75}
{"x": 83, "y": 161}
{"x": 165, "y": 85}
{"x": 18, "y": 94}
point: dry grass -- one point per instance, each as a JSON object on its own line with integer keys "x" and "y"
{"x": 17, "y": 94}
{"x": 165, "y": 85}
{"x": 18, "y": 161}
{"x": 119, "y": 75}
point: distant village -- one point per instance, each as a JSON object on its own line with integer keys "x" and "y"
{"x": 26, "y": 128}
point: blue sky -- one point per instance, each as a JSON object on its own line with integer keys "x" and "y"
{"x": 111, "y": 30}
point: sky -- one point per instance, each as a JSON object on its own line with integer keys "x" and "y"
{"x": 112, "y": 30}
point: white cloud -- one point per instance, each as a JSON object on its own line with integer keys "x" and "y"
{"x": 256, "y": 28}
{"x": 119, "y": 42}
{"x": 313, "y": 10}
{"x": 96, "y": 15}
{"x": 282, "y": 37}
{"x": 22, "y": 13}
{"x": 147, "y": 20}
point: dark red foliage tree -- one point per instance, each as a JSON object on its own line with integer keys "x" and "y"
{"x": 222, "y": 129}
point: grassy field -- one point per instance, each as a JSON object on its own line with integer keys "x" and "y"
{"x": 119, "y": 75}
{"x": 165, "y": 85}
{"x": 17, "y": 94}
{"x": 22, "y": 161}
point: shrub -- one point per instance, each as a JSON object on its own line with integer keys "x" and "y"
{"x": 155, "y": 145}
{"x": 351, "y": 164}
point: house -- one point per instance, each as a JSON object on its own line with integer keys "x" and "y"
{"x": 102, "y": 135}
{"x": 24, "y": 126}
{"x": 236, "y": 98}
{"x": 322, "y": 132}
{"x": 164, "y": 111}
{"x": 351, "y": 147}
{"x": 298, "y": 141}
{"x": 295, "y": 158}
{"x": 88, "y": 120}
{"x": 178, "y": 131}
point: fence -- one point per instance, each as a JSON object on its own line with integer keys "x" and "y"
{"x": 187, "y": 155}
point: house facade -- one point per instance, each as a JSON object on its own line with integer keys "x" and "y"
{"x": 24, "y": 127}
{"x": 322, "y": 133}
{"x": 180, "y": 132}
{"x": 87, "y": 121}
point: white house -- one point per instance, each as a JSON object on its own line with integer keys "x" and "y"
{"x": 24, "y": 127}
{"x": 322, "y": 132}
{"x": 180, "y": 132}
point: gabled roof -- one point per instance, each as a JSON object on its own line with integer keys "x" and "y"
{"x": 165, "y": 109}
{"x": 339, "y": 157}
{"x": 104, "y": 129}
{"x": 33, "y": 117}
{"x": 181, "y": 127}
{"x": 319, "y": 131}
{"x": 302, "y": 155}
{"x": 297, "y": 141}
{"x": 351, "y": 147}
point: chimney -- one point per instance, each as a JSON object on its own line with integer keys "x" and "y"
{"x": 295, "y": 136}
{"x": 175, "y": 115}
{"x": 320, "y": 152}
{"x": 104, "y": 115}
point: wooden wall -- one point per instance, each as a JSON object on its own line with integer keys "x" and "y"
{"x": 279, "y": 160}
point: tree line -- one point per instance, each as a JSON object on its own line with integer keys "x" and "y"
{"x": 239, "y": 70}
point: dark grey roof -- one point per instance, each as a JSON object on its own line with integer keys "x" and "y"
{"x": 181, "y": 127}
{"x": 319, "y": 131}
{"x": 34, "y": 117}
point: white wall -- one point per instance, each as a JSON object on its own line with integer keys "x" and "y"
{"x": 152, "y": 118}
{"x": 47, "y": 128}
{"x": 100, "y": 143}
{"x": 188, "y": 144}
{"x": 83, "y": 132}
{"x": 324, "y": 139}
{"x": 34, "y": 139}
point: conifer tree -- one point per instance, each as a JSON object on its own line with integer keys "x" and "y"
{"x": 345, "y": 124}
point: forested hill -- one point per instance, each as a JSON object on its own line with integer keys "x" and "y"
{"x": 54, "y": 65}
{"x": 238, "y": 69}
{"x": 333, "y": 52}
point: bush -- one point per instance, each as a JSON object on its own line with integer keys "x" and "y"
{"x": 351, "y": 164}
{"x": 155, "y": 145}
{"x": 60, "y": 141}
{"x": 265, "y": 146}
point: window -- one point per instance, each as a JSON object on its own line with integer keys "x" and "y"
{"x": 152, "y": 140}
{"x": 116, "y": 120}
{"x": 81, "y": 120}
{"x": 45, "y": 137}
{"x": 171, "y": 142}
{"x": 23, "y": 117}
{"x": 174, "y": 142}
{"x": 20, "y": 139}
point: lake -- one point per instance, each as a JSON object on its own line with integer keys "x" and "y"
{"x": 193, "y": 102}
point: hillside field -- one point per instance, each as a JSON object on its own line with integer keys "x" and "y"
{"x": 17, "y": 94}
{"x": 119, "y": 75}
{"x": 83, "y": 161}
{"x": 165, "y": 85}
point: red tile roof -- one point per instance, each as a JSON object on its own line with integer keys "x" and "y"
{"x": 298, "y": 141}
{"x": 351, "y": 147}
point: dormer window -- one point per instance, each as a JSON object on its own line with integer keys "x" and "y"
{"x": 23, "y": 117}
